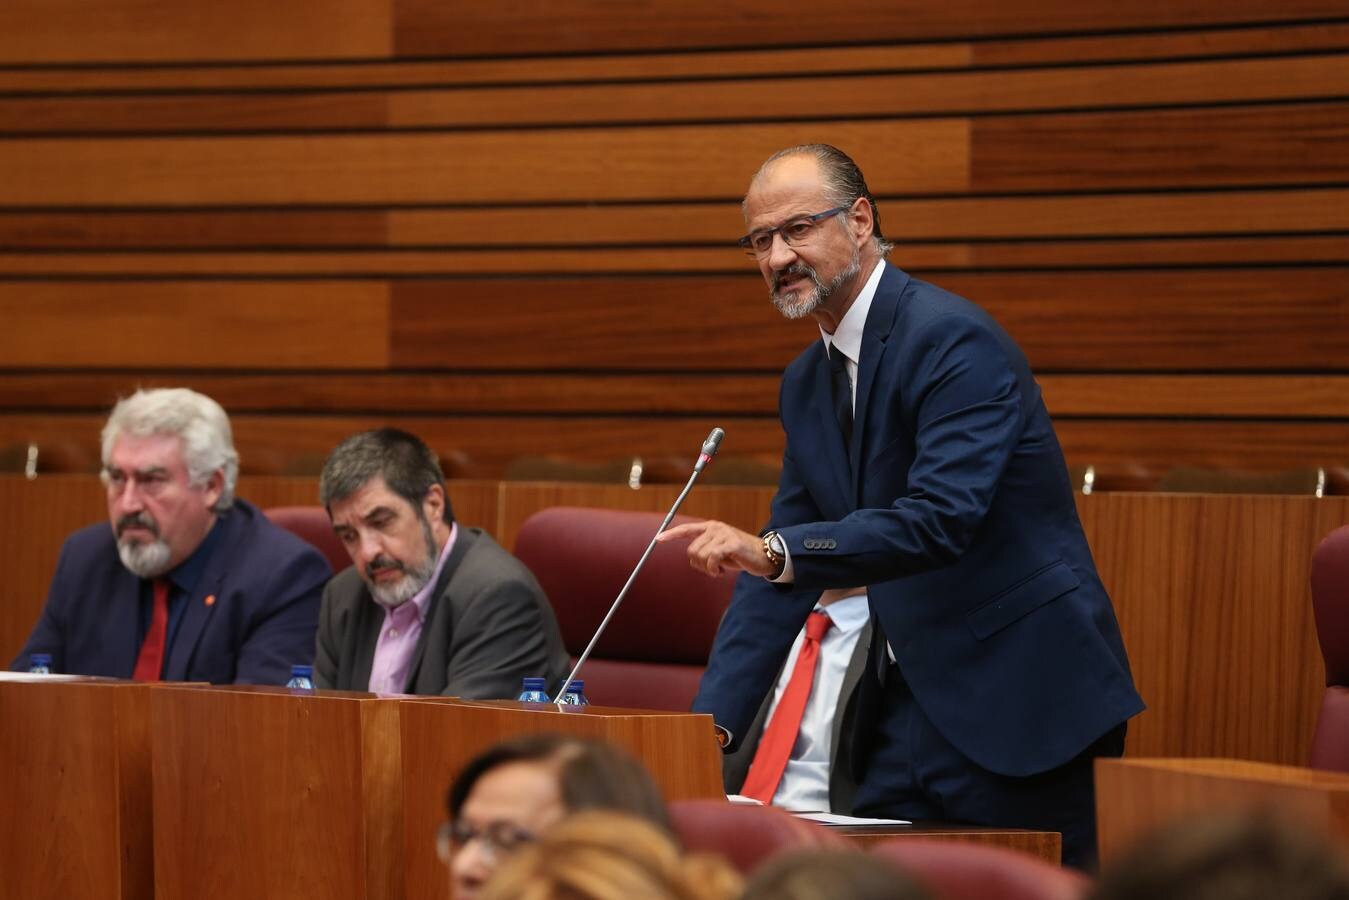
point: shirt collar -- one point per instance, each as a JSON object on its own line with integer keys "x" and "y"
{"x": 848, "y": 334}
{"x": 422, "y": 598}
{"x": 186, "y": 574}
{"x": 850, "y": 613}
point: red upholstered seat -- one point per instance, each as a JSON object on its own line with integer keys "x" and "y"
{"x": 311, "y": 523}
{"x": 746, "y": 835}
{"x": 963, "y": 870}
{"x": 1330, "y": 603}
{"x": 655, "y": 647}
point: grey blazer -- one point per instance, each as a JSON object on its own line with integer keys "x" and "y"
{"x": 842, "y": 784}
{"x": 487, "y": 627}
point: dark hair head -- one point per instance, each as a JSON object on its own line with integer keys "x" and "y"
{"x": 406, "y": 464}
{"x": 843, "y": 182}
{"x": 590, "y": 775}
{"x": 831, "y": 875}
{"x": 1248, "y": 858}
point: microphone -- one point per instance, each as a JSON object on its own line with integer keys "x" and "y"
{"x": 709, "y": 450}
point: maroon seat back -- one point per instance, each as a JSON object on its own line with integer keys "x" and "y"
{"x": 311, "y": 523}
{"x": 963, "y": 870}
{"x": 746, "y": 835}
{"x": 1330, "y": 604}
{"x": 655, "y": 647}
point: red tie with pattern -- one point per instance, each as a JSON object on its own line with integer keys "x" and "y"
{"x": 151, "y": 658}
{"x": 775, "y": 745}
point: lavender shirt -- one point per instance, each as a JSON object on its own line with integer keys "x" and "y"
{"x": 398, "y": 637}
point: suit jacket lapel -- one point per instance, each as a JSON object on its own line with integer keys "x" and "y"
{"x": 122, "y": 625}
{"x": 438, "y": 606}
{"x": 198, "y": 613}
{"x": 880, "y": 319}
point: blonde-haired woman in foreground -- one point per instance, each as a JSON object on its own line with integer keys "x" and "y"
{"x": 603, "y": 855}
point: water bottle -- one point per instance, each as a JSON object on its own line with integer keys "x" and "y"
{"x": 573, "y": 694}
{"x": 301, "y": 678}
{"x": 534, "y": 690}
{"x": 40, "y": 664}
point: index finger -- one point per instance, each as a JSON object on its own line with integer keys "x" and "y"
{"x": 687, "y": 530}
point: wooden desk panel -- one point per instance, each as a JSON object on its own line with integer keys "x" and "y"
{"x": 266, "y": 793}
{"x": 1045, "y": 845}
{"x": 75, "y": 778}
{"x": 440, "y": 737}
{"x": 1137, "y": 796}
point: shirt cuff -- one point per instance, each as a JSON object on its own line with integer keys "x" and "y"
{"x": 788, "y": 574}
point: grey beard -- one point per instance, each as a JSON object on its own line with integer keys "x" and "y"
{"x": 413, "y": 580}
{"x": 819, "y": 293}
{"x": 148, "y": 559}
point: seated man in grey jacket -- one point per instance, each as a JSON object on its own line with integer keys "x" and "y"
{"x": 428, "y": 606}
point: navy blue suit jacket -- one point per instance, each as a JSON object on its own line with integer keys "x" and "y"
{"x": 956, "y": 512}
{"x": 265, "y": 581}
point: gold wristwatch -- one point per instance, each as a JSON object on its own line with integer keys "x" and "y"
{"x": 776, "y": 552}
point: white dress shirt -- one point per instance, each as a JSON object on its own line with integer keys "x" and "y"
{"x": 805, "y": 783}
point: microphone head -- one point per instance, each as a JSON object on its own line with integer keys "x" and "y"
{"x": 713, "y": 442}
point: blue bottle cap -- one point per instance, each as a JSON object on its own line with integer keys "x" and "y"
{"x": 301, "y": 671}
{"x": 40, "y": 659}
{"x": 534, "y": 684}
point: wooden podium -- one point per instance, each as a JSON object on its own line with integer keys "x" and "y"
{"x": 75, "y": 783}
{"x": 1136, "y": 796}
{"x": 440, "y": 736}
{"x": 272, "y": 793}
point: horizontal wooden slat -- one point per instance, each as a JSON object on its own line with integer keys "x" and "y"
{"x": 434, "y": 27}
{"x": 1267, "y": 145}
{"x": 153, "y": 325}
{"x": 738, "y": 394}
{"x": 675, "y": 163}
{"x": 1017, "y": 153}
{"x": 703, "y": 260}
{"x": 667, "y": 226}
{"x": 46, "y": 31}
{"x": 838, "y": 96}
{"x": 490, "y": 442}
{"x": 1186, "y": 44}
{"x": 1199, "y": 319}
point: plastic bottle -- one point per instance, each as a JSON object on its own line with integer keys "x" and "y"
{"x": 534, "y": 690}
{"x": 301, "y": 678}
{"x": 573, "y": 694}
{"x": 40, "y": 664}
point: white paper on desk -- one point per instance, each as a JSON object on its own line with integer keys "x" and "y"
{"x": 33, "y": 676}
{"x": 742, "y": 800}
{"x": 825, "y": 818}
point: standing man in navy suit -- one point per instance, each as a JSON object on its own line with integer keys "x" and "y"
{"x": 189, "y": 583}
{"x": 920, "y": 462}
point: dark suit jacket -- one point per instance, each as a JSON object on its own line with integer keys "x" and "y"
{"x": 842, "y": 784}
{"x": 955, "y": 511}
{"x": 266, "y": 583}
{"x": 487, "y": 627}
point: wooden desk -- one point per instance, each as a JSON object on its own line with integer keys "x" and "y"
{"x": 1044, "y": 845}
{"x": 75, "y": 778}
{"x": 440, "y": 736}
{"x": 1135, "y": 796}
{"x": 270, "y": 793}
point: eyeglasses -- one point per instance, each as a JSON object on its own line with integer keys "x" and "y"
{"x": 794, "y": 233}
{"x": 498, "y": 839}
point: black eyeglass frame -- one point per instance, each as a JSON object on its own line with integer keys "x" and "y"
{"x": 808, "y": 222}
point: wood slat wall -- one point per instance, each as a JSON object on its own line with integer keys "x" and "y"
{"x": 510, "y": 228}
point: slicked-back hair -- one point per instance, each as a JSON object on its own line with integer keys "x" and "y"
{"x": 402, "y": 459}
{"x": 843, "y": 182}
{"x": 199, "y": 423}
{"x": 590, "y": 775}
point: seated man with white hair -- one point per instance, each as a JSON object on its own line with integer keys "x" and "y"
{"x": 189, "y": 583}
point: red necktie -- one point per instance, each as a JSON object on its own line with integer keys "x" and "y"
{"x": 775, "y": 745}
{"x": 151, "y": 658}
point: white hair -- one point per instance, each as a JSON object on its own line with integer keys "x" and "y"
{"x": 197, "y": 420}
